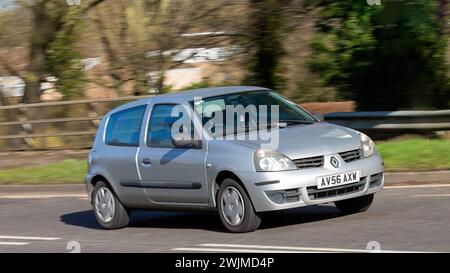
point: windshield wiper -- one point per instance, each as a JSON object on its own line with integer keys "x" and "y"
{"x": 247, "y": 129}
{"x": 281, "y": 124}
{"x": 295, "y": 121}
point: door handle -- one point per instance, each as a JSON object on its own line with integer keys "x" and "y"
{"x": 146, "y": 162}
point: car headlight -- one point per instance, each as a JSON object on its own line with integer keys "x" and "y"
{"x": 270, "y": 161}
{"x": 368, "y": 145}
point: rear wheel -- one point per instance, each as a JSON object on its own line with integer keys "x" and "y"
{"x": 109, "y": 211}
{"x": 235, "y": 208}
{"x": 355, "y": 205}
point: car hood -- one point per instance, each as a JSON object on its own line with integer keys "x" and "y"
{"x": 299, "y": 141}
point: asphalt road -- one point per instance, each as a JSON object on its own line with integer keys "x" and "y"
{"x": 409, "y": 218}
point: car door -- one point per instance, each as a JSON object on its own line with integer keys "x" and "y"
{"x": 170, "y": 174}
{"x": 117, "y": 156}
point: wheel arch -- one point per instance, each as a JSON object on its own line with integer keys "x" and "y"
{"x": 99, "y": 177}
{"x": 220, "y": 177}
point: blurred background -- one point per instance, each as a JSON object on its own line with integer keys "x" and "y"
{"x": 65, "y": 63}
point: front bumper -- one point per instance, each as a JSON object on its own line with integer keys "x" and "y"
{"x": 261, "y": 184}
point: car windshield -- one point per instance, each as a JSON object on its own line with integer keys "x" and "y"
{"x": 234, "y": 113}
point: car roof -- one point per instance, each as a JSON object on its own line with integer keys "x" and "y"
{"x": 209, "y": 92}
{"x": 187, "y": 95}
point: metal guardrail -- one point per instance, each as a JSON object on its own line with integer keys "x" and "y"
{"x": 396, "y": 121}
{"x": 375, "y": 122}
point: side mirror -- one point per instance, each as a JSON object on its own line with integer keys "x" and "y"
{"x": 319, "y": 116}
{"x": 187, "y": 143}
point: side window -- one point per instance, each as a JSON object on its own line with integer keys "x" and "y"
{"x": 124, "y": 127}
{"x": 160, "y": 126}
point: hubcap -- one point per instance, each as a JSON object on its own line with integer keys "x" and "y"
{"x": 232, "y": 206}
{"x": 104, "y": 204}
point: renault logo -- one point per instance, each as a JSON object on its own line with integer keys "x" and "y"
{"x": 334, "y": 162}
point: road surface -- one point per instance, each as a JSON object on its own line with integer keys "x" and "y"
{"x": 402, "y": 218}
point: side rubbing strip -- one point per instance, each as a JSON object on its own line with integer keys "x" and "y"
{"x": 134, "y": 184}
{"x": 267, "y": 183}
{"x": 162, "y": 185}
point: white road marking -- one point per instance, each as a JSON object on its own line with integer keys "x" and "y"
{"x": 13, "y": 243}
{"x": 41, "y": 196}
{"x": 26, "y": 238}
{"x": 282, "y": 247}
{"x": 418, "y": 186}
{"x": 269, "y": 248}
{"x": 29, "y": 238}
{"x": 242, "y": 250}
{"x": 432, "y": 195}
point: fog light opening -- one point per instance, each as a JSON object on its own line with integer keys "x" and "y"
{"x": 284, "y": 196}
{"x": 278, "y": 198}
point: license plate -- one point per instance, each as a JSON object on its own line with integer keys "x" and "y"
{"x": 340, "y": 179}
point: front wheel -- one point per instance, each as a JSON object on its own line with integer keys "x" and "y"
{"x": 235, "y": 208}
{"x": 109, "y": 211}
{"x": 355, "y": 205}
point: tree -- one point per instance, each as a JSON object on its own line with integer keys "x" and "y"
{"x": 140, "y": 36}
{"x": 63, "y": 60}
{"x": 268, "y": 26}
{"x": 53, "y": 21}
{"x": 386, "y": 58}
{"x": 264, "y": 44}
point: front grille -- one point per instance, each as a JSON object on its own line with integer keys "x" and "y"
{"x": 315, "y": 193}
{"x": 309, "y": 162}
{"x": 292, "y": 195}
{"x": 352, "y": 155}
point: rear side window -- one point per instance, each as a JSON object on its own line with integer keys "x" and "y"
{"x": 124, "y": 127}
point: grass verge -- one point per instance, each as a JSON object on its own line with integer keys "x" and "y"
{"x": 415, "y": 154}
{"x": 63, "y": 172}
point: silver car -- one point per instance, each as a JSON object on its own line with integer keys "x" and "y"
{"x": 136, "y": 161}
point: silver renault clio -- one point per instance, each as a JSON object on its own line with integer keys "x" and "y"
{"x": 207, "y": 149}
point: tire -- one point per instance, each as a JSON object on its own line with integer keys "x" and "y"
{"x": 232, "y": 191}
{"x": 120, "y": 216}
{"x": 355, "y": 205}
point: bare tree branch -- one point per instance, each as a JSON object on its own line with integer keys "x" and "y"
{"x": 92, "y": 4}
